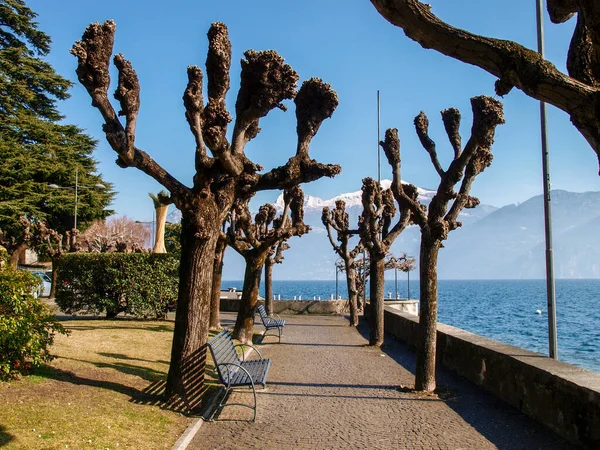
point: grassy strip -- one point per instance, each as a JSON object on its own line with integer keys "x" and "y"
{"x": 103, "y": 391}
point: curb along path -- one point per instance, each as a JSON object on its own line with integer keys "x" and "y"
{"x": 326, "y": 390}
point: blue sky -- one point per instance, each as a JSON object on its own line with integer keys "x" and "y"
{"x": 347, "y": 44}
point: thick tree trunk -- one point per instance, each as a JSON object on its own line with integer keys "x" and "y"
{"x": 54, "y": 277}
{"x": 185, "y": 381}
{"x": 269, "y": 285}
{"x": 425, "y": 373}
{"x": 352, "y": 293}
{"x": 14, "y": 256}
{"x": 161, "y": 220}
{"x": 215, "y": 302}
{"x": 244, "y": 324}
{"x": 377, "y": 269}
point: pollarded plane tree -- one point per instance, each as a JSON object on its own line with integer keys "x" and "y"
{"x": 275, "y": 256}
{"x": 51, "y": 242}
{"x": 377, "y": 236}
{"x": 161, "y": 202}
{"x": 17, "y": 241}
{"x": 254, "y": 240}
{"x": 437, "y": 220}
{"x": 337, "y": 219}
{"x": 517, "y": 66}
{"x": 115, "y": 234}
{"x": 223, "y": 172}
{"x": 401, "y": 262}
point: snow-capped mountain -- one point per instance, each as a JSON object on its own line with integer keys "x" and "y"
{"x": 493, "y": 243}
{"x": 351, "y": 198}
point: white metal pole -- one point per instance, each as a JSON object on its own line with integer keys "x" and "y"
{"x": 550, "y": 287}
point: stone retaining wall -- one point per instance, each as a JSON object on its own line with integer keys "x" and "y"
{"x": 319, "y": 306}
{"x": 296, "y": 306}
{"x": 563, "y": 397}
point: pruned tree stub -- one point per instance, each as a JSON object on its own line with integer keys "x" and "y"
{"x": 254, "y": 240}
{"x": 223, "y": 172}
{"x": 338, "y": 220}
{"x": 440, "y": 217}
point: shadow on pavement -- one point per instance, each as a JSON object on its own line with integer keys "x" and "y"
{"x": 499, "y": 422}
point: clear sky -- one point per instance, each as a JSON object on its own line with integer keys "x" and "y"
{"x": 347, "y": 44}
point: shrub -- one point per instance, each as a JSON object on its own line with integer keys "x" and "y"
{"x": 140, "y": 284}
{"x": 27, "y": 327}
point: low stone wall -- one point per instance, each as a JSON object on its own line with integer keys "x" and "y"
{"x": 296, "y": 306}
{"x": 405, "y": 306}
{"x": 563, "y": 397}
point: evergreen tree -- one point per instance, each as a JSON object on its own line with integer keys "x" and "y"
{"x": 36, "y": 149}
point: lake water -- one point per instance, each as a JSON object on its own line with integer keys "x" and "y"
{"x": 504, "y": 310}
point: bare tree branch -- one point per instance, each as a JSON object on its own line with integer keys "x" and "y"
{"x": 315, "y": 102}
{"x": 325, "y": 218}
{"x": 422, "y": 126}
{"x": 193, "y": 103}
{"x": 266, "y": 81}
{"x": 405, "y": 195}
{"x": 515, "y": 65}
{"x": 451, "y": 119}
{"x": 218, "y": 62}
{"x": 93, "y": 55}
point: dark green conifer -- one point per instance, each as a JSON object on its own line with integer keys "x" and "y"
{"x": 36, "y": 147}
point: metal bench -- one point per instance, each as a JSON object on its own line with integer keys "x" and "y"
{"x": 233, "y": 371}
{"x": 270, "y": 322}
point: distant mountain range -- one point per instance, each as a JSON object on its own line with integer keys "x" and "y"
{"x": 493, "y": 243}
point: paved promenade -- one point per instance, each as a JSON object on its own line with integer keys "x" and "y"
{"x": 327, "y": 390}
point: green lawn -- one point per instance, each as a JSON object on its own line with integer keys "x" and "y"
{"x": 102, "y": 391}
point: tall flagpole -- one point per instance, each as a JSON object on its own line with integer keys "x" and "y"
{"x": 378, "y": 140}
{"x": 550, "y": 287}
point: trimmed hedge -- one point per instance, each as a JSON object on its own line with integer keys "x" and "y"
{"x": 139, "y": 284}
{"x": 27, "y": 326}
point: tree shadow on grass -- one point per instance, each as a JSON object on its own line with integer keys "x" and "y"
{"x": 145, "y": 373}
{"x": 156, "y": 328}
{"x": 129, "y": 358}
{"x": 5, "y": 437}
{"x": 152, "y": 395}
{"x": 66, "y": 376}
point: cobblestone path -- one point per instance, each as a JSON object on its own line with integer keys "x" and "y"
{"x": 327, "y": 390}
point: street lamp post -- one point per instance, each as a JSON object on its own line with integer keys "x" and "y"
{"x": 76, "y": 189}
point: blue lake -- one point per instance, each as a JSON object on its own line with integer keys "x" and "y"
{"x": 504, "y": 310}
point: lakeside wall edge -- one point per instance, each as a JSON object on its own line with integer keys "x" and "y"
{"x": 563, "y": 397}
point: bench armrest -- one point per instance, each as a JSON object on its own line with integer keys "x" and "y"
{"x": 229, "y": 372}
{"x": 276, "y": 316}
{"x": 252, "y": 347}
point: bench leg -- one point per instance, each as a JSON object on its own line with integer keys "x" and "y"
{"x": 229, "y": 389}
